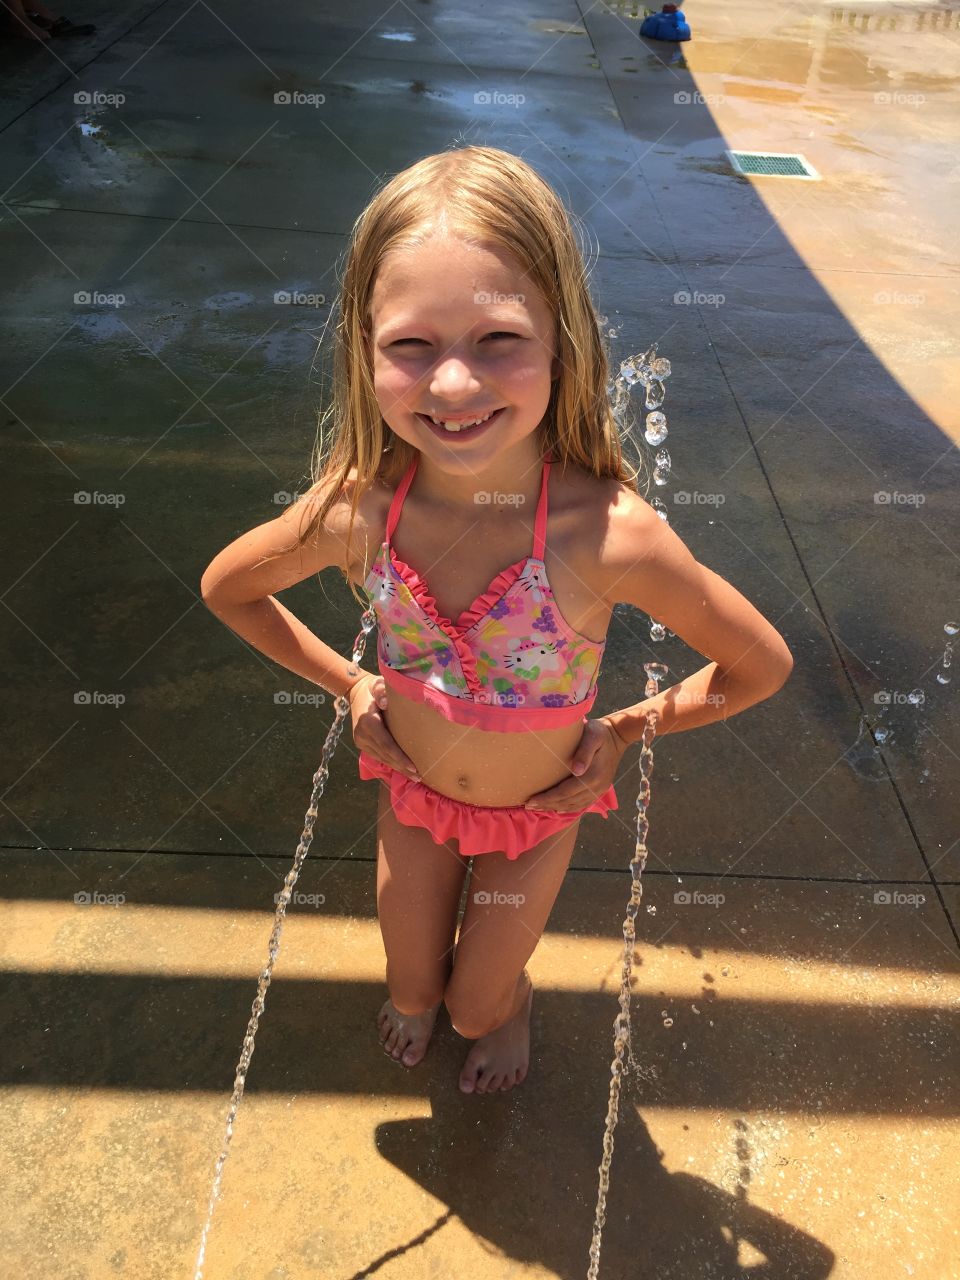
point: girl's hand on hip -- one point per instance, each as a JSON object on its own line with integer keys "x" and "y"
{"x": 368, "y": 701}
{"x": 592, "y": 770}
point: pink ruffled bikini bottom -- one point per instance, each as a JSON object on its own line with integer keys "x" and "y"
{"x": 477, "y": 828}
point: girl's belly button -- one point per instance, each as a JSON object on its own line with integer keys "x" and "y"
{"x": 475, "y": 767}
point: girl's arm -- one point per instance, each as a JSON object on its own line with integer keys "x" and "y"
{"x": 240, "y": 590}
{"x": 647, "y": 565}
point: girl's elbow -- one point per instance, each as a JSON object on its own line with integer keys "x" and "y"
{"x": 781, "y": 667}
{"x": 784, "y": 677}
{"x": 206, "y": 586}
{"x": 209, "y": 584}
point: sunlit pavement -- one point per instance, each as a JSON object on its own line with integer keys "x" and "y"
{"x": 797, "y": 979}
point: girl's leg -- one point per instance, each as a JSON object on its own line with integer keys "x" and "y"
{"x": 488, "y": 994}
{"x": 419, "y": 883}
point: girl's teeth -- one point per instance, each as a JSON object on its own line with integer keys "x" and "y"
{"x": 458, "y": 426}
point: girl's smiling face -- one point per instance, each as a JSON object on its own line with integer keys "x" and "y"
{"x": 458, "y": 331}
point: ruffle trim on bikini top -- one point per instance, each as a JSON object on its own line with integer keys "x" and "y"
{"x": 497, "y": 589}
{"x": 455, "y": 631}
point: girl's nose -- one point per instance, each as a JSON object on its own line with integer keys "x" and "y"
{"x": 452, "y": 376}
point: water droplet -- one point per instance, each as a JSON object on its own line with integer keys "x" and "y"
{"x": 668, "y": 1022}
{"x": 657, "y": 631}
{"x": 652, "y": 910}
{"x": 655, "y": 395}
{"x": 660, "y": 508}
{"x": 951, "y": 628}
{"x": 661, "y": 367}
{"x": 915, "y": 697}
{"x": 656, "y": 428}
{"x": 947, "y": 660}
{"x": 880, "y": 734}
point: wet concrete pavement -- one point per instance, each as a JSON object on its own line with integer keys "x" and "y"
{"x": 799, "y": 1105}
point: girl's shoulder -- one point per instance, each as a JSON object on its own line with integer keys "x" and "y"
{"x": 370, "y": 522}
{"x": 605, "y": 527}
{"x": 601, "y": 503}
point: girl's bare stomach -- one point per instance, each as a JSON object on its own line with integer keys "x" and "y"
{"x": 479, "y": 766}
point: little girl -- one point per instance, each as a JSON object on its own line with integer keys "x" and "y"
{"x": 475, "y": 490}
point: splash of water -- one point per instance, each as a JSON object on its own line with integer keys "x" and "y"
{"x": 342, "y": 706}
{"x": 646, "y": 369}
{"x": 621, "y": 1027}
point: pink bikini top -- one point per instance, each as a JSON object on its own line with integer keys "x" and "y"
{"x": 509, "y": 663}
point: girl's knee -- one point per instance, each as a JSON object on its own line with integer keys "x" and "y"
{"x": 468, "y": 1024}
{"x": 472, "y": 1015}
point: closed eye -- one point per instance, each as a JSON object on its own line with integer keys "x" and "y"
{"x": 500, "y": 333}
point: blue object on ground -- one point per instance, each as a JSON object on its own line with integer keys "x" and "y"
{"x": 668, "y": 25}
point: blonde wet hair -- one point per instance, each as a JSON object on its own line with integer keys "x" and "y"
{"x": 487, "y": 196}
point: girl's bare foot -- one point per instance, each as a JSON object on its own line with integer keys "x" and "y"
{"x": 405, "y": 1036}
{"x": 500, "y": 1059}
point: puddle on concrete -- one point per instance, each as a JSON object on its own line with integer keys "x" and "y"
{"x": 103, "y": 326}
{"x": 550, "y": 27}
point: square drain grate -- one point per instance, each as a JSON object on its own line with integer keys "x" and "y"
{"x": 772, "y": 164}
